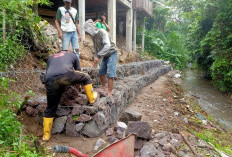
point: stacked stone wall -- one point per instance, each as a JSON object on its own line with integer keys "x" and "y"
{"x": 75, "y": 116}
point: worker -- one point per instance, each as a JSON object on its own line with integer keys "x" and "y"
{"x": 67, "y": 25}
{"x": 105, "y": 49}
{"x": 101, "y": 23}
{"x": 63, "y": 69}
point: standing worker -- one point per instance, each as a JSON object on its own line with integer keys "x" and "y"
{"x": 63, "y": 69}
{"x": 69, "y": 30}
{"x": 101, "y": 23}
{"x": 105, "y": 49}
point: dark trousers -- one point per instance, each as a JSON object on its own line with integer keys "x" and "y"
{"x": 55, "y": 87}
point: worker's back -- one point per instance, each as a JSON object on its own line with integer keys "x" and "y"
{"x": 61, "y": 63}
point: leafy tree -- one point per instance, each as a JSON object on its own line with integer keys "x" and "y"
{"x": 163, "y": 37}
{"x": 22, "y": 29}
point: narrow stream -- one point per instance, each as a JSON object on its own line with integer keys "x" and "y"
{"x": 210, "y": 99}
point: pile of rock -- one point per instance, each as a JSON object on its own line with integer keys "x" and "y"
{"x": 50, "y": 32}
{"x": 148, "y": 143}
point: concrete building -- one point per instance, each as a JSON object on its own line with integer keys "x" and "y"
{"x": 122, "y": 16}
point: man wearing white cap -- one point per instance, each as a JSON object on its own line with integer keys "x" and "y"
{"x": 69, "y": 30}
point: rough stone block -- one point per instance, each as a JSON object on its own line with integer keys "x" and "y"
{"x": 58, "y": 125}
{"x": 77, "y": 110}
{"x": 84, "y": 118}
{"x": 91, "y": 110}
{"x": 100, "y": 120}
{"x": 91, "y": 129}
{"x": 141, "y": 129}
{"x": 130, "y": 115}
{"x": 82, "y": 99}
{"x": 71, "y": 128}
{"x": 31, "y": 111}
{"x": 62, "y": 111}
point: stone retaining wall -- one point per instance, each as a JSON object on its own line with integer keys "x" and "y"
{"x": 75, "y": 116}
{"x": 124, "y": 94}
{"x": 126, "y": 70}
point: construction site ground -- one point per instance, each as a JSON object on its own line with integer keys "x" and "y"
{"x": 162, "y": 104}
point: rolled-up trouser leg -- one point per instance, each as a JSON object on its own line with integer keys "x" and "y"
{"x": 54, "y": 94}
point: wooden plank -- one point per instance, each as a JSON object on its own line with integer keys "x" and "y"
{"x": 44, "y": 12}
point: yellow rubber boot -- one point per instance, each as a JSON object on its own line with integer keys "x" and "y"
{"x": 47, "y": 124}
{"x": 91, "y": 95}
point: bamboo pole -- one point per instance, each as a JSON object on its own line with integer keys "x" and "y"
{"x": 4, "y": 27}
{"x": 189, "y": 145}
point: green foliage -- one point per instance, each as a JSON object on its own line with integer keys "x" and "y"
{"x": 169, "y": 46}
{"x": 12, "y": 142}
{"x": 211, "y": 138}
{"x": 22, "y": 30}
{"x": 208, "y": 25}
{"x": 7, "y": 97}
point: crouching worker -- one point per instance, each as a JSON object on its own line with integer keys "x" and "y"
{"x": 63, "y": 69}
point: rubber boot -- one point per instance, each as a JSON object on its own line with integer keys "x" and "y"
{"x": 47, "y": 124}
{"x": 91, "y": 95}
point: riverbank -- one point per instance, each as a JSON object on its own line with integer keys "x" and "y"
{"x": 166, "y": 108}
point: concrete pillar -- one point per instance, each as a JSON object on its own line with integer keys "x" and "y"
{"x": 82, "y": 18}
{"x": 134, "y": 31}
{"x": 129, "y": 20}
{"x": 143, "y": 26}
{"x": 112, "y": 19}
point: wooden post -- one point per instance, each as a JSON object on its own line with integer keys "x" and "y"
{"x": 134, "y": 30}
{"x": 143, "y": 34}
{"x": 4, "y": 26}
{"x": 112, "y": 19}
{"x": 82, "y": 18}
{"x": 129, "y": 20}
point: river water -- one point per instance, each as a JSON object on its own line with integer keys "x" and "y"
{"x": 210, "y": 99}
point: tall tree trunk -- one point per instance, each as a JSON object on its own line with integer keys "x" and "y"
{"x": 35, "y": 7}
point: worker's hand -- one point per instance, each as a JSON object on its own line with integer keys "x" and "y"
{"x": 79, "y": 37}
{"x": 78, "y": 87}
{"x": 96, "y": 60}
{"x": 60, "y": 35}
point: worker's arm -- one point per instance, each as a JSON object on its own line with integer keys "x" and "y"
{"x": 77, "y": 26}
{"x": 107, "y": 27}
{"x": 78, "y": 30}
{"x": 57, "y": 23}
